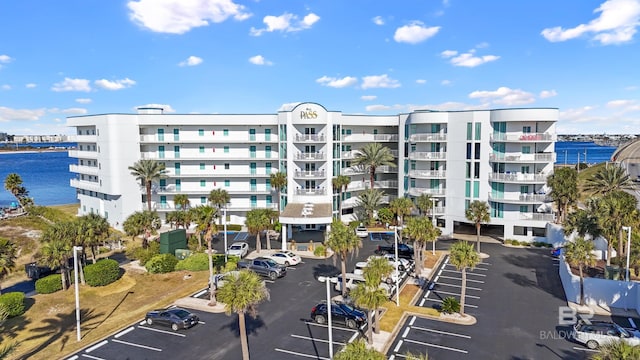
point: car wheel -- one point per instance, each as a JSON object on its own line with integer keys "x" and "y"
{"x": 592, "y": 344}
{"x": 286, "y": 263}
{"x": 401, "y": 268}
{"x": 351, "y": 324}
{"x": 320, "y": 319}
{"x": 389, "y": 281}
{"x": 174, "y": 327}
{"x": 273, "y": 276}
{"x": 149, "y": 321}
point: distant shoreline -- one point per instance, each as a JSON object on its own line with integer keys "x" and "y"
{"x": 31, "y": 151}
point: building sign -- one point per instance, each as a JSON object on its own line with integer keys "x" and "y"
{"x": 308, "y": 114}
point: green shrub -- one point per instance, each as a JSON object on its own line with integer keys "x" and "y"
{"x": 320, "y": 250}
{"x": 102, "y": 273}
{"x": 230, "y": 227}
{"x": 450, "y": 305}
{"x": 541, "y": 244}
{"x": 13, "y": 302}
{"x": 143, "y": 255}
{"x": 195, "y": 262}
{"x": 162, "y": 263}
{"x": 49, "y": 284}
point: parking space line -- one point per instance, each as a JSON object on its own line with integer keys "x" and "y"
{"x": 124, "y": 332}
{"x": 202, "y": 322}
{"x": 459, "y": 286}
{"x": 137, "y": 345}
{"x": 436, "y": 279}
{"x": 269, "y": 281}
{"x": 201, "y": 293}
{"x": 162, "y": 331}
{"x": 450, "y": 293}
{"x": 406, "y": 332}
{"x": 467, "y": 305}
{"x": 437, "y": 346}
{"x": 301, "y": 354}
{"x": 441, "y": 332}
{"x": 353, "y": 337}
{"x": 314, "y": 339}
{"x": 584, "y": 349}
{"x": 398, "y": 346}
{"x": 96, "y": 346}
{"x": 455, "y": 278}
{"x": 468, "y": 273}
{"x": 413, "y": 319}
{"x": 332, "y": 326}
{"x": 74, "y": 357}
{"x": 92, "y": 357}
{"x": 422, "y": 302}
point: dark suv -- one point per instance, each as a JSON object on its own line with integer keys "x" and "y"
{"x": 340, "y": 313}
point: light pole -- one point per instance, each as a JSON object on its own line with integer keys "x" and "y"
{"x": 75, "y": 270}
{"x": 327, "y": 280}
{"x": 433, "y": 220}
{"x": 395, "y": 235}
{"x": 628, "y": 230}
{"x": 224, "y": 213}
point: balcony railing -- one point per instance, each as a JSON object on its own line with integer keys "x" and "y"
{"x": 355, "y": 170}
{"x": 520, "y": 198}
{"x": 309, "y": 174}
{"x": 370, "y": 137}
{"x": 309, "y": 191}
{"x": 309, "y": 138}
{"x": 429, "y": 137}
{"x": 438, "y": 174}
{"x": 83, "y": 169}
{"x": 537, "y": 217}
{"x": 363, "y": 185}
{"x": 310, "y": 156}
{"x": 519, "y": 157}
{"x": 350, "y": 154}
{"x": 83, "y": 154}
{"x": 424, "y": 155}
{"x": 416, "y": 191}
{"x": 83, "y": 184}
{"x": 354, "y": 201}
{"x": 518, "y": 177}
{"x": 526, "y": 137}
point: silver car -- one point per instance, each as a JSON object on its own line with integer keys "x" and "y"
{"x": 593, "y": 334}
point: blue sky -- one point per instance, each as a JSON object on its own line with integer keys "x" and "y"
{"x": 75, "y": 57}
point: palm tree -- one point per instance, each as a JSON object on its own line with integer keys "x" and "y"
{"x": 177, "y": 218}
{"x": 369, "y": 297}
{"x": 613, "y": 211}
{"x": 278, "y": 181}
{"x": 372, "y": 156}
{"x": 92, "y": 230}
{"x": 143, "y": 223}
{"x": 401, "y": 207}
{"x": 343, "y": 241}
{"x": 13, "y": 184}
{"x": 56, "y": 249}
{"x": 369, "y": 200}
{"x": 257, "y": 221}
{"x": 272, "y": 217}
{"x": 8, "y": 255}
{"x": 583, "y": 222}
{"x": 241, "y": 294}
{"x": 340, "y": 184}
{"x": 219, "y": 198}
{"x": 607, "y": 179}
{"x": 358, "y": 350}
{"x": 421, "y": 230}
{"x": 564, "y": 190}
{"x": 147, "y": 171}
{"x": 205, "y": 219}
{"x": 617, "y": 350}
{"x": 181, "y": 201}
{"x": 424, "y": 203}
{"x": 478, "y": 213}
{"x": 462, "y": 256}
{"x": 579, "y": 253}
{"x": 377, "y": 268}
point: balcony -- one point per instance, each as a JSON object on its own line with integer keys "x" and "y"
{"x": 358, "y": 170}
{"x": 518, "y": 178}
{"x": 354, "y": 201}
{"x": 82, "y": 154}
{"x": 523, "y": 137}
{"x": 310, "y": 191}
{"x": 424, "y": 155}
{"x": 86, "y": 185}
{"x": 363, "y": 185}
{"x": 350, "y": 154}
{"x": 522, "y": 158}
{"x": 428, "y": 174}
{"x": 429, "y": 137}
{"x": 369, "y": 137}
{"x": 537, "y": 217}
{"x": 310, "y": 156}
{"x": 85, "y": 138}
{"x": 83, "y": 169}
{"x": 309, "y": 174}
{"x": 309, "y": 138}
{"x": 419, "y": 191}
{"x": 518, "y": 198}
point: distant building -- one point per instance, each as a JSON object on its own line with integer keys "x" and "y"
{"x": 40, "y": 138}
{"x": 500, "y": 156}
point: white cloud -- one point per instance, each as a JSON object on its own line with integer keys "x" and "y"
{"x": 468, "y": 59}
{"x": 114, "y": 85}
{"x": 31, "y": 85}
{"x": 544, "y": 94}
{"x": 5, "y": 87}
{"x": 624, "y": 106}
{"x": 336, "y": 82}
{"x": 9, "y": 114}
{"x": 378, "y": 20}
{"x": 191, "y": 61}
{"x": 69, "y": 84}
{"x": 379, "y": 81}
{"x": 285, "y": 23}
{"x": 165, "y": 107}
{"x": 504, "y": 96}
{"x": 445, "y": 82}
{"x": 368, "y": 97}
{"x": 68, "y": 111}
{"x": 5, "y": 59}
{"x": 377, "y": 108}
{"x": 83, "y": 101}
{"x": 180, "y": 16}
{"x": 414, "y": 33}
{"x": 288, "y": 106}
{"x": 259, "y": 60}
{"x": 482, "y": 45}
{"x": 616, "y": 24}
{"x": 448, "y": 106}
{"x": 421, "y": 81}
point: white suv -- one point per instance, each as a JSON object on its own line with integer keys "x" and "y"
{"x": 596, "y": 333}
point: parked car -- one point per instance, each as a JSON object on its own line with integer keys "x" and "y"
{"x": 362, "y": 231}
{"x": 176, "y": 318}
{"x": 264, "y": 266}
{"x": 240, "y": 249}
{"x": 403, "y": 264}
{"x": 361, "y": 265}
{"x": 285, "y": 258}
{"x": 340, "y": 313}
{"x": 593, "y": 334}
{"x": 354, "y": 279}
{"x": 404, "y": 251}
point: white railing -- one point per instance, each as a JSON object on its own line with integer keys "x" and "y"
{"x": 518, "y": 177}
{"x": 309, "y": 174}
{"x": 429, "y": 137}
{"x": 416, "y": 191}
{"x": 522, "y": 157}
{"x": 83, "y": 169}
{"x": 83, "y": 154}
{"x": 428, "y": 173}
{"x": 524, "y": 198}
{"x": 309, "y": 138}
{"x": 310, "y": 156}
{"x": 85, "y": 138}
{"x": 369, "y": 137}
{"x": 424, "y": 155}
{"x": 363, "y": 185}
{"x": 536, "y": 217}
{"x": 523, "y": 137}
{"x": 83, "y": 184}
{"x": 350, "y": 154}
{"x": 309, "y": 191}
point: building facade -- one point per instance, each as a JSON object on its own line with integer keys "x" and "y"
{"x": 502, "y": 157}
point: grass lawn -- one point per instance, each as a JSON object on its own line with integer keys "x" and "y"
{"x": 48, "y": 329}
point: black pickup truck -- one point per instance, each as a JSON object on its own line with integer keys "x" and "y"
{"x": 404, "y": 251}
{"x": 264, "y": 266}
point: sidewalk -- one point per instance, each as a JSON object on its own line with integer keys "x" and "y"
{"x": 603, "y": 310}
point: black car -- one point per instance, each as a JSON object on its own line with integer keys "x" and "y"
{"x": 340, "y": 313}
{"x": 404, "y": 251}
{"x": 176, "y": 318}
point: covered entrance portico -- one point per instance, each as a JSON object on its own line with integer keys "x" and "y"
{"x": 304, "y": 215}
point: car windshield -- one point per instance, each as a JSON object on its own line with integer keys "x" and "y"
{"x": 347, "y": 308}
{"x": 271, "y": 262}
{"x": 182, "y": 314}
{"x": 235, "y": 247}
{"x": 624, "y": 332}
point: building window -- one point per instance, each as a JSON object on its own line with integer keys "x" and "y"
{"x": 225, "y": 132}
{"x": 227, "y": 183}
{"x": 201, "y": 148}
{"x": 226, "y": 166}
{"x": 476, "y": 170}
{"x": 524, "y": 208}
{"x": 267, "y": 151}
{"x": 477, "y": 151}
{"x": 176, "y": 134}
{"x": 478, "y": 131}
{"x": 526, "y": 129}
{"x": 468, "y": 170}
{"x": 467, "y": 188}
{"x": 226, "y": 149}
{"x": 267, "y": 134}
{"x": 476, "y": 189}
{"x": 252, "y": 134}
{"x": 524, "y": 189}
{"x": 202, "y": 166}
{"x": 200, "y": 132}
{"x": 203, "y": 200}
{"x": 203, "y": 183}
{"x": 469, "y": 130}
{"x": 468, "y": 151}
{"x": 526, "y": 149}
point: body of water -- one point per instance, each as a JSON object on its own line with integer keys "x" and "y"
{"x": 569, "y": 152}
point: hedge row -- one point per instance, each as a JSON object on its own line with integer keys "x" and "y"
{"x": 200, "y": 262}
{"x": 49, "y": 284}
{"x": 162, "y": 263}
{"x": 102, "y": 273}
{"x": 13, "y": 303}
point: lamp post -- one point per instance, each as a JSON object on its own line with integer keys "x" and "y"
{"x": 433, "y": 220}
{"x": 628, "y": 230}
{"x": 327, "y": 280}
{"x": 224, "y": 213}
{"x": 75, "y": 270}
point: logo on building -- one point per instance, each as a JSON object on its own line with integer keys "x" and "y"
{"x": 308, "y": 114}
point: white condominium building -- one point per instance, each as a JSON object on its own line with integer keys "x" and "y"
{"x": 502, "y": 157}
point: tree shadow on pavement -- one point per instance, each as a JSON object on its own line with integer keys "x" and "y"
{"x": 252, "y": 325}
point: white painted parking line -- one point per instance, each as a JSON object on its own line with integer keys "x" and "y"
{"x": 137, "y": 345}
{"x": 162, "y": 331}
{"x": 301, "y": 354}
{"x": 470, "y": 270}
{"x": 456, "y": 294}
{"x": 459, "y": 286}
{"x": 143, "y": 322}
{"x": 92, "y": 357}
{"x": 468, "y": 273}
{"x": 456, "y": 278}
{"x": 633, "y": 324}
{"x": 406, "y": 332}
{"x": 413, "y": 319}
{"x": 201, "y": 293}
{"x": 104, "y": 342}
{"x": 466, "y": 305}
{"x": 398, "y": 346}
{"x": 334, "y": 327}
{"x": 123, "y": 332}
{"x": 269, "y": 281}
{"x": 440, "y": 272}
{"x": 74, "y": 357}
{"x": 441, "y": 332}
{"x": 354, "y": 336}
{"x": 422, "y": 302}
{"x": 436, "y": 279}
{"x": 314, "y": 339}
{"x": 438, "y": 346}
{"x": 584, "y": 349}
